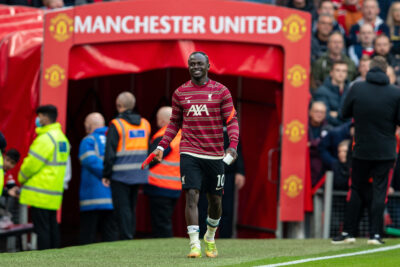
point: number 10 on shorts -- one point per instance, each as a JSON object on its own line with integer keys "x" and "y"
{"x": 221, "y": 181}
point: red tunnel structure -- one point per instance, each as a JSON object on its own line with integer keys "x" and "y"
{"x": 89, "y": 54}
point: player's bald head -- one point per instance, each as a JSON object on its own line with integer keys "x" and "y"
{"x": 125, "y": 101}
{"x": 93, "y": 121}
{"x": 163, "y": 116}
{"x": 198, "y": 53}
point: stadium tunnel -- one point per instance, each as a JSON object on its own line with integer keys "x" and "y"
{"x": 161, "y": 68}
{"x": 254, "y": 72}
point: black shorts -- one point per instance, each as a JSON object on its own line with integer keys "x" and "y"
{"x": 206, "y": 175}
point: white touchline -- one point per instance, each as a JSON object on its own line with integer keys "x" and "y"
{"x": 334, "y": 256}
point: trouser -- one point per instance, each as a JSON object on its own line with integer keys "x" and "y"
{"x": 124, "y": 199}
{"x": 362, "y": 192}
{"x": 161, "y": 209}
{"x": 228, "y": 199}
{"x": 94, "y": 220}
{"x": 46, "y": 228}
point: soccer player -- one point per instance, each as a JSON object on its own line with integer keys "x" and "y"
{"x": 199, "y": 108}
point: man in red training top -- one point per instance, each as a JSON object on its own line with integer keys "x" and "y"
{"x": 199, "y": 108}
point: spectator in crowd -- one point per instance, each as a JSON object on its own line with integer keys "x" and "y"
{"x": 234, "y": 181}
{"x": 321, "y": 36}
{"x": 374, "y": 106}
{"x": 384, "y": 6}
{"x": 348, "y": 14}
{"x": 363, "y": 68}
{"x": 382, "y": 47}
{"x": 303, "y": 5}
{"x": 323, "y": 65}
{"x": 327, "y": 7}
{"x": 333, "y": 91}
{"x": 42, "y": 176}
{"x": 366, "y": 45}
{"x": 329, "y": 144}
{"x": 341, "y": 167}
{"x": 94, "y": 198}
{"x": 370, "y": 11}
{"x": 393, "y": 22}
{"x": 165, "y": 185}
{"x": 10, "y": 160}
{"x": 318, "y": 127}
{"x": 126, "y": 148}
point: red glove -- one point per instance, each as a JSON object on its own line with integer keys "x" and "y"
{"x": 148, "y": 160}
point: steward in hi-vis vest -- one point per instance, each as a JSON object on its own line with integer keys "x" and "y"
{"x": 126, "y": 148}
{"x": 132, "y": 148}
{"x": 1, "y": 173}
{"x": 42, "y": 172}
{"x": 166, "y": 174}
{"x": 42, "y": 176}
{"x": 165, "y": 185}
{"x": 3, "y": 145}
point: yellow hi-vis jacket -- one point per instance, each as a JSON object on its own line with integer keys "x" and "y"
{"x": 43, "y": 170}
{"x": 1, "y": 173}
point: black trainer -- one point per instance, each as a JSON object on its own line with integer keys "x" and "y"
{"x": 376, "y": 240}
{"x": 343, "y": 238}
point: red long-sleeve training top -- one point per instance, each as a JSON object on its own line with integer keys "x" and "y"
{"x": 200, "y": 112}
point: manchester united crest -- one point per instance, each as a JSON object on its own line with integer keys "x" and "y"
{"x": 293, "y": 186}
{"x": 61, "y": 27}
{"x": 54, "y": 75}
{"x": 294, "y": 27}
{"x": 297, "y": 75}
{"x": 295, "y": 131}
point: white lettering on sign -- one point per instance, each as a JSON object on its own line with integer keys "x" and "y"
{"x": 178, "y": 24}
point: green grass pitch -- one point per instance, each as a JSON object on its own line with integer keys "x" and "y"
{"x": 234, "y": 252}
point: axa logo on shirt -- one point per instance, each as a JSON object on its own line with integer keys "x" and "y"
{"x": 197, "y": 110}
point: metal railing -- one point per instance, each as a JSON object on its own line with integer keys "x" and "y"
{"x": 329, "y": 209}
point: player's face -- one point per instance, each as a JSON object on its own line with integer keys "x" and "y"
{"x": 198, "y": 66}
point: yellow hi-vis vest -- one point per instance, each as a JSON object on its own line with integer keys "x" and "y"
{"x": 1, "y": 173}
{"x": 43, "y": 170}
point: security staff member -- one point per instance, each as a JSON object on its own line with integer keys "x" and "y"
{"x": 3, "y": 145}
{"x": 164, "y": 179}
{"x": 94, "y": 198}
{"x": 42, "y": 176}
{"x": 375, "y": 107}
{"x": 126, "y": 148}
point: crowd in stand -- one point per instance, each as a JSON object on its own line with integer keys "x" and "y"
{"x": 346, "y": 36}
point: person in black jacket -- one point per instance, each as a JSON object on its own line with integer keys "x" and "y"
{"x": 375, "y": 107}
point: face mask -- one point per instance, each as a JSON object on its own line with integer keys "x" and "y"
{"x": 37, "y": 122}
